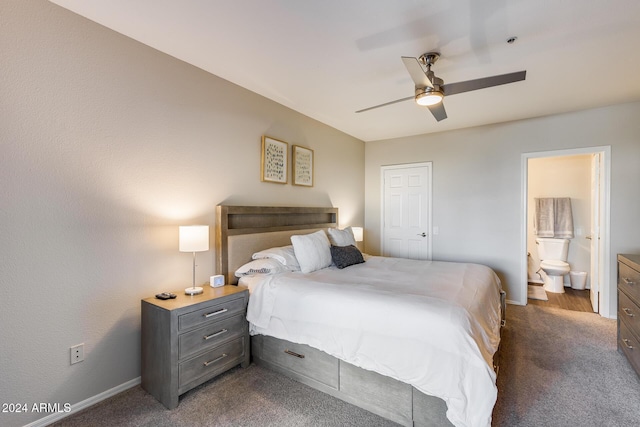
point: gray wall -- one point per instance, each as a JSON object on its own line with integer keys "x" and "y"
{"x": 106, "y": 147}
{"x": 477, "y": 197}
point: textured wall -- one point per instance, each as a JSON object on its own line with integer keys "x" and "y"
{"x": 106, "y": 147}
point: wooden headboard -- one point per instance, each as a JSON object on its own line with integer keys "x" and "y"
{"x": 244, "y": 230}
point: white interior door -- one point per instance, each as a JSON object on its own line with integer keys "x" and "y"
{"x": 406, "y": 210}
{"x": 596, "y": 198}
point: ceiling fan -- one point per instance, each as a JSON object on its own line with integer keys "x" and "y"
{"x": 430, "y": 90}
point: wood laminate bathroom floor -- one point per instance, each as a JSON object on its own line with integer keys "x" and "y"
{"x": 571, "y": 299}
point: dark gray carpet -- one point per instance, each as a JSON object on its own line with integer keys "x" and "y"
{"x": 241, "y": 397}
{"x": 562, "y": 368}
{"x": 557, "y": 368}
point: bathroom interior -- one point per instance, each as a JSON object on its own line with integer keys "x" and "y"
{"x": 560, "y": 177}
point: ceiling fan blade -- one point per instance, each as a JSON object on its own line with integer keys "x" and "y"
{"x": 469, "y": 85}
{"x": 438, "y": 111}
{"x": 385, "y": 104}
{"x": 417, "y": 73}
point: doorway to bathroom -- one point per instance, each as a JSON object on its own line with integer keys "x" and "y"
{"x": 581, "y": 175}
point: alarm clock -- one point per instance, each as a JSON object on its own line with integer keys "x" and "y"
{"x": 217, "y": 281}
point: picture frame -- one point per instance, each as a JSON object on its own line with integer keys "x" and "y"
{"x": 274, "y": 161}
{"x": 302, "y": 168}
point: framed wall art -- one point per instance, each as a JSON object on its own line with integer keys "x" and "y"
{"x": 302, "y": 166}
{"x": 274, "y": 160}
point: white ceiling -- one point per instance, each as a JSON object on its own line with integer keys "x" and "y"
{"x": 329, "y": 58}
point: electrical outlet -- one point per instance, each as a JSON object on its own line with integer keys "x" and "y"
{"x": 77, "y": 353}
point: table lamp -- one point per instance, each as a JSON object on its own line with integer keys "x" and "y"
{"x": 358, "y": 233}
{"x": 194, "y": 238}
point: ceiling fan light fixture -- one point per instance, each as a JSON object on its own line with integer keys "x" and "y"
{"x": 428, "y": 97}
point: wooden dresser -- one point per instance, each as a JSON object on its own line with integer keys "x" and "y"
{"x": 629, "y": 308}
{"x": 191, "y": 339}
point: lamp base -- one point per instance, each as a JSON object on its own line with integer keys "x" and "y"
{"x": 193, "y": 290}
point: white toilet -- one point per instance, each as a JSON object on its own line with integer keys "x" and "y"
{"x": 553, "y": 262}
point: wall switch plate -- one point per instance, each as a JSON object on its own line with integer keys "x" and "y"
{"x": 77, "y": 353}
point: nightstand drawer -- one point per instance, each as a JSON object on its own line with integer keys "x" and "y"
{"x": 210, "y": 314}
{"x": 210, "y": 361}
{"x": 629, "y": 281}
{"x": 211, "y": 335}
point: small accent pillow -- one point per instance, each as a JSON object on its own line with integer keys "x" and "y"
{"x": 344, "y": 256}
{"x": 284, "y": 254}
{"x": 312, "y": 251}
{"x": 261, "y": 266}
{"x": 341, "y": 237}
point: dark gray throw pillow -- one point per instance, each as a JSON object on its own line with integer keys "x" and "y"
{"x": 344, "y": 256}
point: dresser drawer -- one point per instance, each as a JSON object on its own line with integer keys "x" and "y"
{"x": 629, "y": 281}
{"x": 210, "y": 313}
{"x": 211, "y": 335}
{"x": 211, "y": 361}
{"x": 629, "y": 313}
{"x": 630, "y": 346}
{"x": 301, "y": 359}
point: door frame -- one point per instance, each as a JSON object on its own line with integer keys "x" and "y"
{"x": 605, "y": 226}
{"x": 429, "y": 166}
{"x": 594, "y": 231}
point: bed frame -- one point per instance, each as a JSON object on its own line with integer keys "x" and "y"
{"x": 243, "y": 230}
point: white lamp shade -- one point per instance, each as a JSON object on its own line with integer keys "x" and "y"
{"x": 358, "y": 233}
{"x": 194, "y": 238}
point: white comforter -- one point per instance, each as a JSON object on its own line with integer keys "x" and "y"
{"x": 434, "y": 325}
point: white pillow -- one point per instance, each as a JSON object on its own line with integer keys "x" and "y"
{"x": 313, "y": 251}
{"x": 341, "y": 237}
{"x": 261, "y": 266}
{"x": 284, "y": 254}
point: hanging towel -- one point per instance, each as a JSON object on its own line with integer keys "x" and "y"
{"x": 563, "y": 218}
{"x": 543, "y": 221}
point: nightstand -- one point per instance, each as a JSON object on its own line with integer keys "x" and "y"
{"x": 188, "y": 340}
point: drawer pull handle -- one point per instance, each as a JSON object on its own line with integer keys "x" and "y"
{"x": 626, "y": 343}
{"x": 223, "y": 310}
{"x": 208, "y": 337}
{"x": 628, "y": 281}
{"x": 627, "y": 312}
{"x": 293, "y": 353}
{"x": 215, "y": 360}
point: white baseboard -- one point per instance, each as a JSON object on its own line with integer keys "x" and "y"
{"x": 50, "y": 419}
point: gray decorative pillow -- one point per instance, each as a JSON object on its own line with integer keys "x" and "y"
{"x": 341, "y": 237}
{"x": 344, "y": 256}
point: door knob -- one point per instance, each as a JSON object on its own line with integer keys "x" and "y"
{"x": 422, "y": 234}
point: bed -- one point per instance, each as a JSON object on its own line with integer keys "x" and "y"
{"x": 412, "y": 341}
